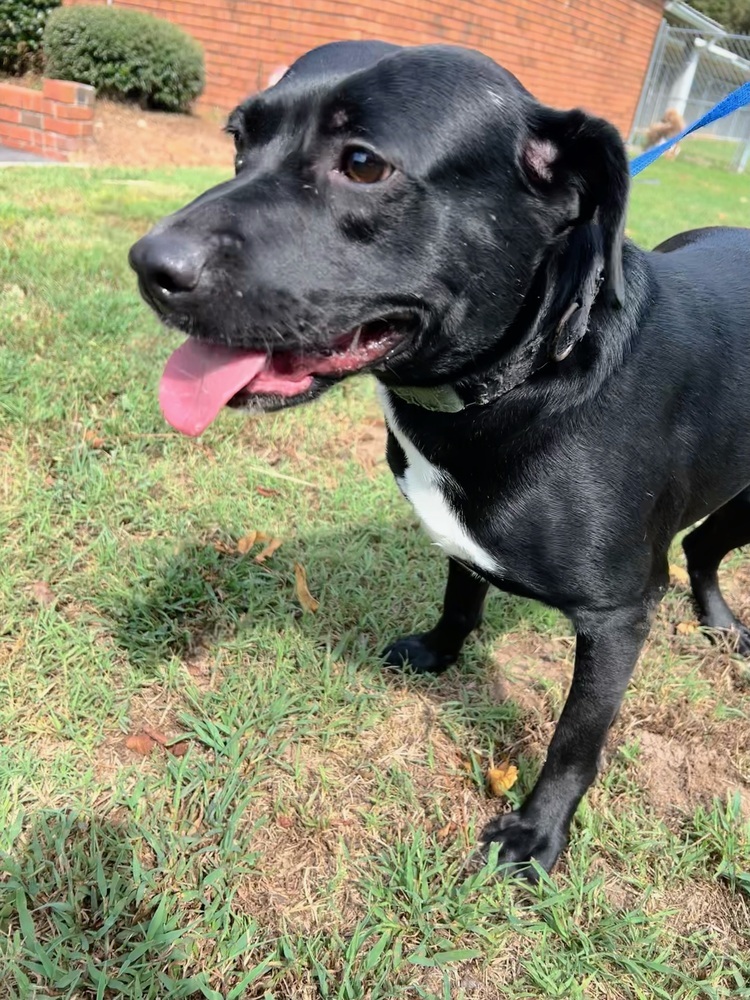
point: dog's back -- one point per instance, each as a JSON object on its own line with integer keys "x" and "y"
{"x": 697, "y": 337}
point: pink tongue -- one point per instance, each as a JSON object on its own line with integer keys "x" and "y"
{"x": 201, "y": 378}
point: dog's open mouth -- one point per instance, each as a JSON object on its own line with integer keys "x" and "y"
{"x": 200, "y": 377}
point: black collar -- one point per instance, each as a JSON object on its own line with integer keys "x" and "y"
{"x": 547, "y": 328}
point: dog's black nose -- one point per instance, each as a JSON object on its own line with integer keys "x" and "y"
{"x": 168, "y": 263}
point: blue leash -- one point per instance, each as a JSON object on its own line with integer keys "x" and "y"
{"x": 732, "y": 102}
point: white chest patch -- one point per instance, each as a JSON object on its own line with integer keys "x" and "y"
{"x": 424, "y": 486}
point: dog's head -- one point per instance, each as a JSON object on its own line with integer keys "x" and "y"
{"x": 393, "y": 210}
{"x": 674, "y": 119}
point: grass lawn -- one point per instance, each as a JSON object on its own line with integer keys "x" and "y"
{"x": 308, "y": 835}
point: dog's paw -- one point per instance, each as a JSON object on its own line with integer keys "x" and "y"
{"x": 735, "y": 638}
{"x": 741, "y": 637}
{"x": 415, "y": 653}
{"x": 521, "y": 840}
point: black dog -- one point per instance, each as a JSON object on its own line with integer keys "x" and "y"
{"x": 560, "y": 403}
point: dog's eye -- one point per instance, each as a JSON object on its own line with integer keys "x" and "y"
{"x": 239, "y": 152}
{"x": 363, "y": 166}
{"x": 237, "y": 140}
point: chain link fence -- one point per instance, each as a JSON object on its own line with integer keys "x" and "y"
{"x": 690, "y": 71}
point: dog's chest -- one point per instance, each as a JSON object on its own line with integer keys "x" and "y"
{"x": 430, "y": 491}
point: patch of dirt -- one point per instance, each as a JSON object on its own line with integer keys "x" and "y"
{"x": 295, "y": 887}
{"x": 315, "y": 833}
{"x": 152, "y": 708}
{"x": 127, "y": 136}
{"x": 532, "y": 664}
{"x": 621, "y": 895}
{"x": 676, "y": 776}
{"x": 706, "y": 908}
{"x": 534, "y": 671}
{"x": 369, "y": 446}
{"x": 469, "y": 979}
{"x": 200, "y": 663}
{"x": 687, "y": 756}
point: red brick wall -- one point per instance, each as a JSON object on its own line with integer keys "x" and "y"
{"x": 52, "y": 121}
{"x": 590, "y": 53}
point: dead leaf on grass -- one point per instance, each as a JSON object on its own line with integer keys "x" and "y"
{"x": 304, "y": 596}
{"x": 246, "y": 542}
{"x": 502, "y": 778}
{"x": 285, "y": 822}
{"x": 679, "y": 575}
{"x": 265, "y": 491}
{"x": 92, "y": 438}
{"x": 445, "y": 831}
{"x": 155, "y": 735}
{"x": 687, "y": 628}
{"x": 140, "y": 743}
{"x": 269, "y": 550}
{"x": 175, "y": 746}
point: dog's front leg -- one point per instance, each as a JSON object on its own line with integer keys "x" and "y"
{"x": 607, "y": 647}
{"x": 434, "y": 651}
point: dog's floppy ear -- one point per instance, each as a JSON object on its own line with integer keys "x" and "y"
{"x": 573, "y": 277}
{"x": 572, "y": 153}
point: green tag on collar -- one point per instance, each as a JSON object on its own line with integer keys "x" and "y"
{"x": 440, "y": 398}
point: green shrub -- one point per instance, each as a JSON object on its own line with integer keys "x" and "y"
{"x": 21, "y": 28}
{"x": 124, "y": 54}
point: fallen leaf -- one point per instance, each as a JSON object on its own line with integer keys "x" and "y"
{"x": 266, "y": 492}
{"x": 268, "y": 550}
{"x": 502, "y": 778}
{"x": 176, "y": 747}
{"x": 140, "y": 743}
{"x": 246, "y": 542}
{"x": 304, "y": 596}
{"x": 679, "y": 575}
{"x": 687, "y": 628}
{"x": 156, "y": 736}
{"x": 92, "y": 438}
{"x": 43, "y": 594}
{"x": 445, "y": 831}
{"x": 285, "y": 822}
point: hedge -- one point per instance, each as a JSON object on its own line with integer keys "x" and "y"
{"x": 124, "y": 54}
{"x": 21, "y": 29}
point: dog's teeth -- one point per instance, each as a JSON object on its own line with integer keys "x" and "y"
{"x": 355, "y": 342}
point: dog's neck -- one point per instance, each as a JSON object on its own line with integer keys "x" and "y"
{"x": 545, "y": 331}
